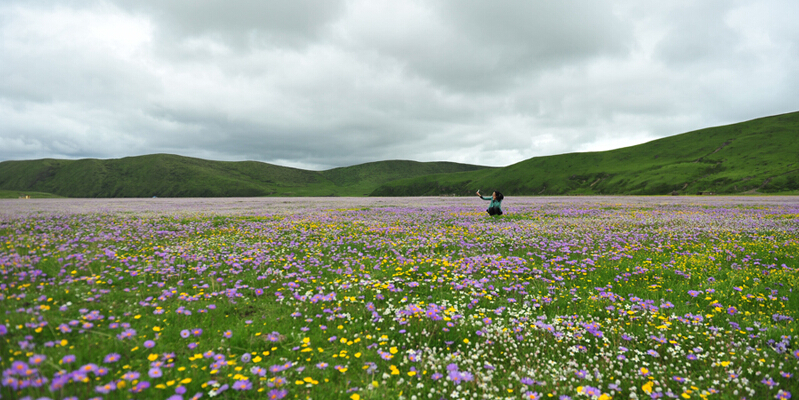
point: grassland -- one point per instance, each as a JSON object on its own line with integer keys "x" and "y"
{"x": 15, "y": 194}
{"x": 758, "y": 156}
{"x": 165, "y": 175}
{"x": 408, "y": 298}
{"x": 754, "y": 157}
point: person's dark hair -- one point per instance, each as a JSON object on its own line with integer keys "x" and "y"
{"x": 499, "y": 195}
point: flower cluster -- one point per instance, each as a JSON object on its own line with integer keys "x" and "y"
{"x": 591, "y": 298}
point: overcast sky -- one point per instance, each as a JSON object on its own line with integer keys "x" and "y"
{"x": 328, "y": 83}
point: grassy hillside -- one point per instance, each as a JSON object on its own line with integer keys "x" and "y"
{"x": 165, "y": 175}
{"x": 362, "y": 179}
{"x": 15, "y": 194}
{"x": 758, "y": 156}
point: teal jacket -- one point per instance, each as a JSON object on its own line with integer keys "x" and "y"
{"x": 494, "y": 203}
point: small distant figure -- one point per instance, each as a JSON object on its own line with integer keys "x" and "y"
{"x": 495, "y": 207}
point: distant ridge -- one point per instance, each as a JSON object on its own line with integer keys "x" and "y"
{"x": 757, "y": 156}
{"x": 166, "y": 175}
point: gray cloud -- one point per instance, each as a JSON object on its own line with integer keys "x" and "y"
{"x": 319, "y": 84}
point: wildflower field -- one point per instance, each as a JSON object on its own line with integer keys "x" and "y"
{"x": 581, "y": 298}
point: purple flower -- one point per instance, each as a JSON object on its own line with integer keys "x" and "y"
{"x": 111, "y": 358}
{"x": 127, "y": 334}
{"x": 155, "y": 373}
{"x": 107, "y": 388}
{"x": 149, "y": 344}
{"x": 222, "y": 388}
{"x": 246, "y": 357}
{"x": 242, "y": 385}
{"x": 228, "y": 334}
{"x": 185, "y": 333}
{"x": 276, "y": 394}
{"x": 198, "y": 331}
{"x": 769, "y": 382}
{"x": 91, "y": 367}
{"x": 131, "y": 376}
{"x": 591, "y": 391}
{"x": 139, "y": 387}
{"x": 527, "y": 381}
{"x": 37, "y": 359}
{"x": 273, "y": 337}
{"x": 732, "y": 310}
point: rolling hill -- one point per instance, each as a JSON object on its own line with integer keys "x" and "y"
{"x": 166, "y": 175}
{"x": 757, "y": 156}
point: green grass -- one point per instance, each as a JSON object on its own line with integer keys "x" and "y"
{"x": 165, "y": 175}
{"x": 16, "y": 194}
{"x": 758, "y": 156}
{"x": 543, "y": 264}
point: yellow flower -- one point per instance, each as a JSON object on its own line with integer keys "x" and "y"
{"x": 648, "y": 387}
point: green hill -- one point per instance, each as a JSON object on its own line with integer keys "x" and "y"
{"x": 758, "y": 156}
{"x": 165, "y": 175}
{"x": 16, "y": 194}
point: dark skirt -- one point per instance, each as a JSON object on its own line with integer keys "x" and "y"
{"x": 494, "y": 211}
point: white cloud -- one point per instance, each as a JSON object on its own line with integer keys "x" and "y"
{"x": 324, "y": 84}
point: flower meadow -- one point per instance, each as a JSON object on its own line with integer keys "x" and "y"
{"x": 429, "y": 298}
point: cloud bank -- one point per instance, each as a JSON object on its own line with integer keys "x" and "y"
{"x": 321, "y": 84}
